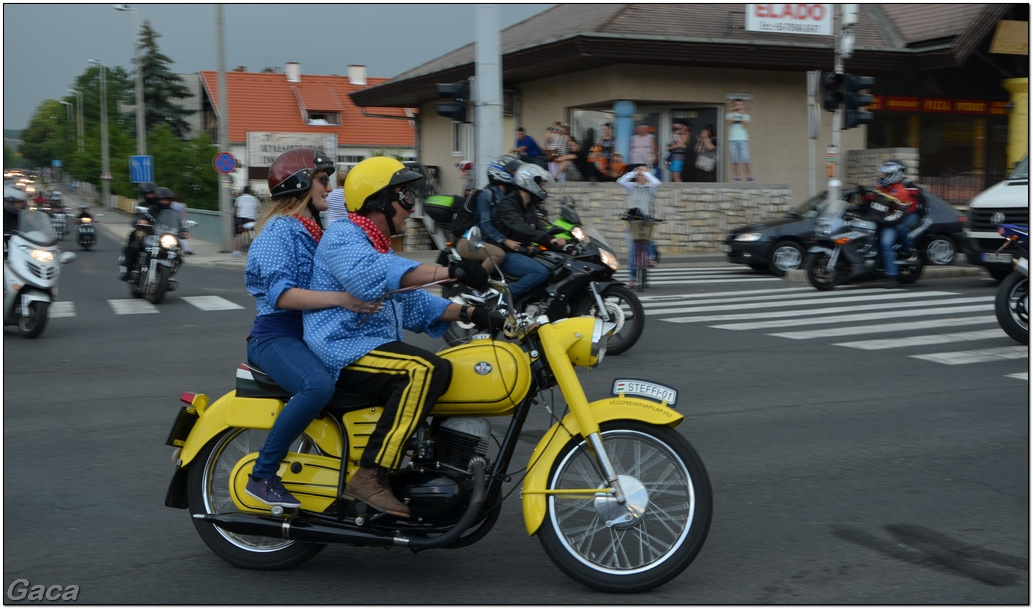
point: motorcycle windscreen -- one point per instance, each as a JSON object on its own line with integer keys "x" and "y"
{"x": 36, "y": 227}
{"x": 489, "y": 378}
{"x": 168, "y": 221}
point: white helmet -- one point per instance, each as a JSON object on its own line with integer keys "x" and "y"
{"x": 530, "y": 177}
{"x": 891, "y": 172}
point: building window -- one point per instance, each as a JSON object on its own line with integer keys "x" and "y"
{"x": 459, "y": 137}
{"x": 323, "y": 118}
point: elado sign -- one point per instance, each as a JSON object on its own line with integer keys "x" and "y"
{"x": 790, "y": 18}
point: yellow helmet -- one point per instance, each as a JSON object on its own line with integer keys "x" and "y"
{"x": 367, "y": 183}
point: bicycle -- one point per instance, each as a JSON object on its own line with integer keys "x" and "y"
{"x": 247, "y": 235}
{"x": 642, "y": 239}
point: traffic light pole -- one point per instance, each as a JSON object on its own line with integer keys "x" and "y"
{"x": 835, "y": 185}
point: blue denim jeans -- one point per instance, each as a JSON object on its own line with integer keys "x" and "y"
{"x": 295, "y": 368}
{"x": 890, "y": 236}
{"x": 531, "y": 273}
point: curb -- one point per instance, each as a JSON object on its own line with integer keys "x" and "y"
{"x": 929, "y": 272}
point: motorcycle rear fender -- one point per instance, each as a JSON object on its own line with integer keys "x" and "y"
{"x": 249, "y": 413}
{"x": 545, "y": 454}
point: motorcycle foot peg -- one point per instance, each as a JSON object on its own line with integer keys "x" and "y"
{"x": 277, "y": 510}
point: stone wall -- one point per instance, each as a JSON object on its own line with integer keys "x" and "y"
{"x": 862, "y": 166}
{"x": 696, "y": 216}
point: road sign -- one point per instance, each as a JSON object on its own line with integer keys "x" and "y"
{"x": 106, "y": 176}
{"x": 224, "y": 162}
{"x": 141, "y": 168}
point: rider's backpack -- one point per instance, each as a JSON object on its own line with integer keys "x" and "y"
{"x": 918, "y": 195}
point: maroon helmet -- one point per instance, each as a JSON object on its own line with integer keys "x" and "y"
{"x": 291, "y": 173}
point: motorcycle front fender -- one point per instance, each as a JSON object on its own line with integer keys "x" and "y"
{"x": 31, "y": 295}
{"x": 533, "y": 494}
{"x": 815, "y": 249}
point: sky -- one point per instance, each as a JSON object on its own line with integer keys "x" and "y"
{"x": 47, "y": 45}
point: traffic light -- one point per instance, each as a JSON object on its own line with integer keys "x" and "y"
{"x": 832, "y": 86}
{"x": 855, "y": 102}
{"x": 459, "y": 93}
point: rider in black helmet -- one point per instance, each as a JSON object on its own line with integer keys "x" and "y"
{"x": 149, "y": 192}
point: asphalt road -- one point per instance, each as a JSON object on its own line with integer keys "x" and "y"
{"x": 844, "y": 471}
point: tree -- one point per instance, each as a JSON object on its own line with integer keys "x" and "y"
{"x": 42, "y": 140}
{"x": 186, "y": 167}
{"x": 161, "y": 87}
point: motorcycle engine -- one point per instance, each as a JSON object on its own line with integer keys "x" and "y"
{"x": 435, "y": 489}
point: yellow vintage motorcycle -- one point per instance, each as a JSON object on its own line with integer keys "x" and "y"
{"x": 618, "y": 497}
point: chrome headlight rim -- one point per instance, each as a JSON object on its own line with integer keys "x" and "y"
{"x": 168, "y": 241}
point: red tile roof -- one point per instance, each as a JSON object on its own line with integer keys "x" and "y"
{"x": 267, "y": 102}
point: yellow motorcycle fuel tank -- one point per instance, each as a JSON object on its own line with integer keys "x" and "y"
{"x": 489, "y": 378}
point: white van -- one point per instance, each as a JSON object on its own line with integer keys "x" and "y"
{"x": 1004, "y": 203}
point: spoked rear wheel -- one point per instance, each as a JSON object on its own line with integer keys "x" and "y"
{"x": 654, "y": 535}
{"x": 208, "y": 492}
{"x": 622, "y": 306}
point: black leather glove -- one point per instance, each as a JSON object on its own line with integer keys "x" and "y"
{"x": 485, "y": 319}
{"x": 469, "y": 272}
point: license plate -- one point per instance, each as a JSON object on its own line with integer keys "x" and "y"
{"x": 181, "y": 426}
{"x": 992, "y": 257}
{"x": 645, "y": 389}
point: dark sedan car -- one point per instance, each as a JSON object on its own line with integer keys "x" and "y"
{"x": 778, "y": 245}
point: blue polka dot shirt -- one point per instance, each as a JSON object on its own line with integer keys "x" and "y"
{"x": 347, "y": 261}
{"x": 280, "y": 258}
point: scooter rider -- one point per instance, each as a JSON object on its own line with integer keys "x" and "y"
{"x": 366, "y": 352}
{"x": 84, "y": 212}
{"x": 897, "y": 211}
{"x": 134, "y": 244}
{"x": 519, "y": 218}
{"x": 15, "y": 201}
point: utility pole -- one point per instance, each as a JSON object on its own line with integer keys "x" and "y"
{"x": 225, "y": 204}
{"x": 835, "y": 185}
{"x": 487, "y": 89}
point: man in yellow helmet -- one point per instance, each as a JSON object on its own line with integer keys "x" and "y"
{"x": 370, "y": 359}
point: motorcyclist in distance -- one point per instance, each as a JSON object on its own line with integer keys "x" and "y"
{"x": 896, "y": 211}
{"x": 84, "y": 212}
{"x": 500, "y": 182}
{"x": 519, "y": 218}
{"x": 15, "y": 201}
{"x": 134, "y": 243}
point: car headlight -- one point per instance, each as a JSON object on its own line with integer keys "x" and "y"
{"x": 169, "y": 241}
{"x": 609, "y": 259}
{"x": 748, "y": 237}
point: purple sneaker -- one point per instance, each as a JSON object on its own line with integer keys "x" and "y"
{"x": 271, "y": 491}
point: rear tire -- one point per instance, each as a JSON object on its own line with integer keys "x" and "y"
{"x": 910, "y": 272}
{"x": 208, "y": 484}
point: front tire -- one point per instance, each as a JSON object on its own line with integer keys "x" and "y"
{"x": 820, "y": 276}
{"x": 32, "y": 326}
{"x": 1012, "y": 307}
{"x": 208, "y": 492}
{"x": 156, "y": 293}
{"x": 620, "y": 302}
{"x": 654, "y": 536}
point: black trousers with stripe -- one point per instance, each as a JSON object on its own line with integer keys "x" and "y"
{"x": 409, "y": 381}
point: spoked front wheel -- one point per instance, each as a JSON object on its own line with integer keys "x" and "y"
{"x": 623, "y": 307}
{"x": 209, "y": 492}
{"x": 644, "y": 542}
{"x": 1012, "y": 306}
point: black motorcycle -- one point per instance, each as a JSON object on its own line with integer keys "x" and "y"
{"x": 154, "y": 274}
{"x": 845, "y": 248}
{"x": 580, "y": 282}
{"x": 87, "y": 231}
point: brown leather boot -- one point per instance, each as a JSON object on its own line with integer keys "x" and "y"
{"x": 369, "y": 484}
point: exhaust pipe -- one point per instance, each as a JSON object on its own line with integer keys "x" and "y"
{"x": 309, "y": 532}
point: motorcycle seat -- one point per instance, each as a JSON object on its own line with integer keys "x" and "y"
{"x": 252, "y": 382}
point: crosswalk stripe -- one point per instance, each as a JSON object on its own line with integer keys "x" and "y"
{"x": 1022, "y": 376}
{"x": 61, "y": 309}
{"x": 833, "y": 319}
{"x": 768, "y": 315}
{"x": 212, "y": 303}
{"x": 131, "y": 306}
{"x": 764, "y": 302}
{"x": 903, "y": 326}
{"x": 974, "y": 357}
{"x": 647, "y": 300}
{"x": 920, "y": 341}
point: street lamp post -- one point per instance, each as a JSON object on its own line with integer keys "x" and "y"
{"x": 78, "y": 118}
{"x": 141, "y": 134}
{"x": 105, "y": 166}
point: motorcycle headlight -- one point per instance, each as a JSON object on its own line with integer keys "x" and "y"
{"x": 41, "y": 255}
{"x": 87, "y": 220}
{"x": 579, "y": 234}
{"x": 169, "y": 241}
{"x": 609, "y": 259}
{"x": 748, "y": 237}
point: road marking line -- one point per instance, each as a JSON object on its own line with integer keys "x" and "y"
{"x": 919, "y": 341}
{"x": 762, "y": 302}
{"x": 975, "y": 357}
{"x": 134, "y": 306}
{"x": 904, "y": 326}
{"x": 61, "y": 309}
{"x": 1022, "y": 376}
{"x": 211, "y": 303}
{"x": 834, "y": 319}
